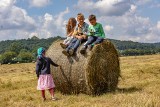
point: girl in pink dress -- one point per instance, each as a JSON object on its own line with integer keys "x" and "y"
{"x": 45, "y": 80}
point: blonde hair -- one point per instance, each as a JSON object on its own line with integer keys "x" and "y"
{"x": 80, "y": 15}
{"x": 71, "y": 25}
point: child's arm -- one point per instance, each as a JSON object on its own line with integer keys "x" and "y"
{"x": 85, "y": 32}
{"x": 70, "y": 34}
{"x": 75, "y": 34}
{"x": 54, "y": 64}
{"x": 89, "y": 31}
{"x": 102, "y": 31}
{"x": 38, "y": 68}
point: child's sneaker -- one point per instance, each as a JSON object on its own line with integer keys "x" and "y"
{"x": 90, "y": 47}
{"x": 83, "y": 50}
{"x": 65, "y": 53}
{"x": 44, "y": 99}
{"x": 63, "y": 45}
{"x": 71, "y": 51}
{"x": 54, "y": 98}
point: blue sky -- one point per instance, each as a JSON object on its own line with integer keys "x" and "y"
{"x": 136, "y": 20}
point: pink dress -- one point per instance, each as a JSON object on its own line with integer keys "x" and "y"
{"x": 45, "y": 82}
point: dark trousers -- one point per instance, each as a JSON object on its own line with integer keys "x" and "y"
{"x": 93, "y": 40}
{"x": 75, "y": 44}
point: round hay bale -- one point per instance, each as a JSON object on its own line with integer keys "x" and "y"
{"x": 94, "y": 73}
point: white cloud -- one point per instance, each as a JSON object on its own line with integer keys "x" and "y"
{"x": 14, "y": 20}
{"x": 131, "y": 27}
{"x": 13, "y": 17}
{"x": 148, "y": 38}
{"x": 13, "y": 34}
{"x": 39, "y": 3}
{"x": 133, "y": 9}
{"x": 16, "y": 24}
{"x": 158, "y": 25}
{"x": 33, "y": 34}
{"x": 122, "y": 15}
{"x": 105, "y": 7}
{"x": 51, "y": 25}
{"x": 6, "y": 3}
{"x": 108, "y": 28}
{"x": 118, "y": 17}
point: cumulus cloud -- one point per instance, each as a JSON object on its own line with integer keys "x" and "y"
{"x": 105, "y": 7}
{"x": 158, "y": 25}
{"x": 39, "y": 3}
{"x": 51, "y": 25}
{"x": 15, "y": 23}
{"x": 131, "y": 26}
{"x": 122, "y": 24}
{"x": 108, "y": 28}
{"x": 140, "y": 29}
{"x": 14, "y": 19}
{"x": 118, "y": 17}
{"x": 133, "y": 9}
{"x": 5, "y": 3}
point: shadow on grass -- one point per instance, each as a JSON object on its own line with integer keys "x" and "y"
{"x": 121, "y": 90}
{"x": 129, "y": 90}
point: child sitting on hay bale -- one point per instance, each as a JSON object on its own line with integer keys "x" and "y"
{"x": 45, "y": 80}
{"x": 79, "y": 37}
{"x": 70, "y": 27}
{"x": 96, "y": 34}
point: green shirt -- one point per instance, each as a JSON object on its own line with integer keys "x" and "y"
{"x": 96, "y": 30}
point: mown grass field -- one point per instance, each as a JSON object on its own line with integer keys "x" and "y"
{"x": 138, "y": 87}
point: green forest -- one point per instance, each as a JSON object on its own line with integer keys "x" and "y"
{"x": 24, "y": 50}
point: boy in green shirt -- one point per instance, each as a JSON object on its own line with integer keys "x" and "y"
{"x": 96, "y": 34}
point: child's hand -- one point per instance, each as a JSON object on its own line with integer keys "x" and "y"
{"x": 84, "y": 36}
{"x": 79, "y": 37}
{"x": 92, "y": 33}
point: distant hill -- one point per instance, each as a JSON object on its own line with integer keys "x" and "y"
{"x": 30, "y": 44}
{"x": 136, "y": 48}
{"x": 124, "y": 47}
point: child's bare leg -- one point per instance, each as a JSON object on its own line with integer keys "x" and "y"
{"x": 43, "y": 94}
{"x": 51, "y": 92}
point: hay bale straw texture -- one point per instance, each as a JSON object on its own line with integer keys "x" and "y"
{"x": 94, "y": 73}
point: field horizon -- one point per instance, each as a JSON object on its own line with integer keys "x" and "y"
{"x": 138, "y": 87}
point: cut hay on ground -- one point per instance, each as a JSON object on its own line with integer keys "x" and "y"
{"x": 94, "y": 73}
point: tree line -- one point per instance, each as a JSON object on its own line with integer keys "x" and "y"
{"x": 25, "y": 50}
{"x": 130, "y": 48}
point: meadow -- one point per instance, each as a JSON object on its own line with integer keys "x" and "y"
{"x": 138, "y": 87}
